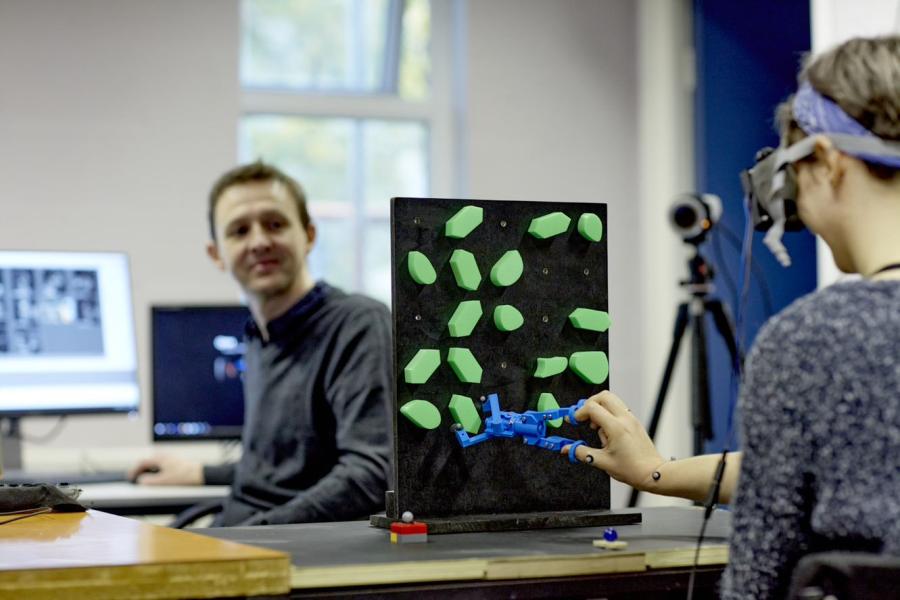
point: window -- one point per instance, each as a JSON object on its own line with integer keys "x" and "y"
{"x": 350, "y": 97}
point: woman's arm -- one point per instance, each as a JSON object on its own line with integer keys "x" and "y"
{"x": 629, "y": 456}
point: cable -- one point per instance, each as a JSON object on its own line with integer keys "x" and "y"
{"x": 16, "y": 433}
{"x": 720, "y": 259}
{"x": 757, "y": 271}
{"x": 18, "y": 515}
{"x": 758, "y": 274}
{"x": 736, "y": 374}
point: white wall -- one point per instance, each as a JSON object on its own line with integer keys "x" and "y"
{"x": 116, "y": 115}
{"x": 559, "y": 96}
{"x": 833, "y": 22}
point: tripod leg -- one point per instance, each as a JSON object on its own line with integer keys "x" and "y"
{"x": 701, "y": 413}
{"x": 681, "y": 322}
{"x": 726, "y": 329}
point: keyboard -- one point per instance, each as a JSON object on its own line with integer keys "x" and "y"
{"x": 52, "y": 477}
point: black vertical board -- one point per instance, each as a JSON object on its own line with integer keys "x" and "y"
{"x": 434, "y": 476}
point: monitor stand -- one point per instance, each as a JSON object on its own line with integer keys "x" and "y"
{"x": 11, "y": 442}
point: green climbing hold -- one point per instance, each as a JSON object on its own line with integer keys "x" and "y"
{"x": 590, "y": 227}
{"x": 464, "y": 412}
{"x": 465, "y": 270}
{"x": 422, "y": 366}
{"x": 548, "y": 367}
{"x": 508, "y": 269}
{"x": 507, "y": 318}
{"x": 546, "y": 401}
{"x": 592, "y": 320}
{"x": 593, "y": 367}
{"x": 464, "y": 222}
{"x": 463, "y": 363}
{"x": 420, "y": 268}
{"x": 422, "y": 413}
{"x": 464, "y": 318}
{"x": 549, "y": 225}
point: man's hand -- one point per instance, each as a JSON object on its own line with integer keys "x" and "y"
{"x": 165, "y": 469}
{"x": 628, "y": 453}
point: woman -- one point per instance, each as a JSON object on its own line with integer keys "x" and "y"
{"x": 820, "y": 400}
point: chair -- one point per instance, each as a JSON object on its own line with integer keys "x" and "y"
{"x": 189, "y": 515}
{"x": 845, "y": 576}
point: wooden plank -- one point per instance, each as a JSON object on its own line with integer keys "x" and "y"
{"x": 387, "y": 573}
{"x": 527, "y": 567}
{"x": 96, "y": 555}
{"x": 710, "y": 554}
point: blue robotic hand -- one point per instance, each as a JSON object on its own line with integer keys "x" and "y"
{"x": 530, "y": 425}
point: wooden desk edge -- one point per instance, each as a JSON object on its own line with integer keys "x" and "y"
{"x": 512, "y": 567}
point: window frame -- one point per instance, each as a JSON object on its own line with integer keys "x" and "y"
{"x": 440, "y": 113}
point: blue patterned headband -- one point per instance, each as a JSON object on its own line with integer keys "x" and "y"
{"x": 817, "y": 114}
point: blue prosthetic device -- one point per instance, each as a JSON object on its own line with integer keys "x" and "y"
{"x": 530, "y": 425}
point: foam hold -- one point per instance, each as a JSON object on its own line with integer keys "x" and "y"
{"x": 420, "y": 268}
{"x": 508, "y": 269}
{"x": 463, "y": 363}
{"x": 464, "y": 222}
{"x": 548, "y": 367}
{"x": 465, "y": 270}
{"x": 464, "y": 412}
{"x": 546, "y": 401}
{"x": 422, "y": 366}
{"x": 593, "y": 367}
{"x": 590, "y": 227}
{"x": 507, "y": 318}
{"x": 549, "y": 225}
{"x": 592, "y": 320}
{"x": 464, "y": 318}
{"x": 422, "y": 413}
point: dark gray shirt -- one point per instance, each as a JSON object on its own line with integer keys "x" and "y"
{"x": 316, "y": 443}
{"x": 820, "y": 411}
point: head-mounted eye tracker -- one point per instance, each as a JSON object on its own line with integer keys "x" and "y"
{"x": 770, "y": 186}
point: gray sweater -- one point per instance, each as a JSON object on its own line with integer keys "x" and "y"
{"x": 316, "y": 438}
{"x": 820, "y": 412}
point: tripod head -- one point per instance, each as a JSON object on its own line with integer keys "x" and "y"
{"x": 700, "y": 275}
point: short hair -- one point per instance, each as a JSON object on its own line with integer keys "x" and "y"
{"x": 862, "y": 76}
{"x": 254, "y": 172}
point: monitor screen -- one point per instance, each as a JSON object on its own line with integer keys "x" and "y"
{"x": 66, "y": 334}
{"x": 198, "y": 363}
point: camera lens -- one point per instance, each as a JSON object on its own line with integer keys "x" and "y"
{"x": 684, "y": 217}
{"x": 692, "y": 215}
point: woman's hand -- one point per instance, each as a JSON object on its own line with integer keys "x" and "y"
{"x": 628, "y": 453}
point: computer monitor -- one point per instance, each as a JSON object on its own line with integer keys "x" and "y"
{"x": 66, "y": 334}
{"x": 198, "y": 364}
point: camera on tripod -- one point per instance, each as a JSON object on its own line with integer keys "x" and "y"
{"x": 693, "y": 215}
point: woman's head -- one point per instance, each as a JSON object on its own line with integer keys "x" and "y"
{"x": 861, "y": 76}
{"x": 851, "y": 92}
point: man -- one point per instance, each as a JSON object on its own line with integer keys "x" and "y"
{"x": 318, "y": 377}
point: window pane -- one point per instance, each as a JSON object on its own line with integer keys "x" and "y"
{"x": 415, "y": 57}
{"x": 332, "y": 258}
{"x": 396, "y": 162}
{"x": 335, "y": 45}
{"x": 377, "y": 259}
{"x": 316, "y": 151}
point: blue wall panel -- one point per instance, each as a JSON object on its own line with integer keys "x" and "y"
{"x": 748, "y": 54}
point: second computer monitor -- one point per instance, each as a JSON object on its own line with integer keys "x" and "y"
{"x": 198, "y": 364}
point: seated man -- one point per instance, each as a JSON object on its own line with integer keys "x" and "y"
{"x": 317, "y": 384}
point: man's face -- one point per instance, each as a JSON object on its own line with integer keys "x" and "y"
{"x": 260, "y": 239}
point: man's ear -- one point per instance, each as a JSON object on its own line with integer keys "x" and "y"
{"x": 212, "y": 251}
{"x": 310, "y": 236}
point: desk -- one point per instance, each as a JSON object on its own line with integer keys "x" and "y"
{"x": 355, "y": 560}
{"x": 131, "y": 499}
{"x": 97, "y": 555}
